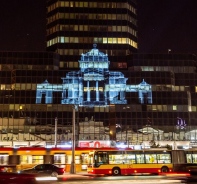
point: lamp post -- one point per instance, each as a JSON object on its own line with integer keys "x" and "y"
{"x": 55, "y": 143}
{"x": 72, "y": 166}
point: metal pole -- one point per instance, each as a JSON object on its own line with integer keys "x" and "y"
{"x": 72, "y": 166}
{"x": 55, "y": 143}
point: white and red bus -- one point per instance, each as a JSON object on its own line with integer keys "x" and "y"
{"x": 127, "y": 161}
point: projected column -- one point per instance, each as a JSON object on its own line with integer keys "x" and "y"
{"x": 88, "y": 91}
{"x": 97, "y": 91}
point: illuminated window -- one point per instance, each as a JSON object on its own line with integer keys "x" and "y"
{"x": 174, "y": 107}
{"x": 71, "y": 4}
{"x": 113, "y": 28}
{"x": 124, "y": 40}
{"x": 70, "y": 64}
{"x": 104, "y": 40}
{"x": 118, "y": 28}
{"x": 193, "y": 108}
{"x": 66, "y": 39}
{"x": 154, "y": 107}
{"x": 110, "y": 40}
{"x": 61, "y": 39}
{"x": 95, "y": 40}
{"x": 76, "y": 65}
{"x": 114, "y": 40}
{"x": 100, "y": 40}
{"x": 85, "y": 28}
{"x": 119, "y": 40}
{"x": 124, "y": 28}
{"x": 62, "y": 3}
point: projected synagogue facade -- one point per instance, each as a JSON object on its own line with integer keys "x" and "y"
{"x": 94, "y": 84}
{"x": 113, "y": 103}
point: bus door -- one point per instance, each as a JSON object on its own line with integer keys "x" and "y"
{"x": 124, "y": 163}
{"x": 129, "y": 161}
{"x": 84, "y": 161}
{"x": 90, "y": 161}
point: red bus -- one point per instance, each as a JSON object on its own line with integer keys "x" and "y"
{"x": 127, "y": 161}
{"x": 109, "y": 161}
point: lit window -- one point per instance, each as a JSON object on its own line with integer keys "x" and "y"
{"x": 114, "y": 40}
{"x": 119, "y": 40}
{"x": 174, "y": 107}
{"x": 104, "y": 40}
{"x": 124, "y": 40}
{"x": 110, "y": 40}
{"x": 66, "y": 39}
{"x": 61, "y": 39}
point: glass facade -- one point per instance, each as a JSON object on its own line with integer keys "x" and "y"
{"x": 73, "y": 26}
{"x": 169, "y": 115}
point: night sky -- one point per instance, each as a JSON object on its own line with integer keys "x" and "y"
{"x": 162, "y": 25}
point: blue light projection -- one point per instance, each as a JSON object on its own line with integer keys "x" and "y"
{"x": 93, "y": 84}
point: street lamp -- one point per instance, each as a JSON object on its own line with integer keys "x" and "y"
{"x": 72, "y": 166}
{"x": 55, "y": 143}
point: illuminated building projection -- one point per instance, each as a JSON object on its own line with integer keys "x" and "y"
{"x": 94, "y": 84}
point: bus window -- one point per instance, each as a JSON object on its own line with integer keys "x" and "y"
{"x": 4, "y": 159}
{"x": 59, "y": 158}
{"x": 164, "y": 158}
{"x": 25, "y": 159}
{"x": 150, "y": 158}
{"x": 194, "y": 158}
{"x": 189, "y": 158}
{"x": 69, "y": 159}
{"x": 116, "y": 158}
{"x": 37, "y": 159}
{"x": 84, "y": 158}
{"x": 140, "y": 158}
{"x": 130, "y": 159}
{"x": 101, "y": 158}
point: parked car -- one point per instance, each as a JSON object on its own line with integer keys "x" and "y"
{"x": 17, "y": 178}
{"x": 45, "y": 169}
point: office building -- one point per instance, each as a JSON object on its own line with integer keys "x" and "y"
{"x": 92, "y": 65}
{"x": 73, "y": 26}
{"x": 154, "y": 100}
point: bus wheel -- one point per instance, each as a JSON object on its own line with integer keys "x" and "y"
{"x": 164, "y": 169}
{"x": 116, "y": 171}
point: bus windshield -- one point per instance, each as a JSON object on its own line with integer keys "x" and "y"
{"x": 100, "y": 158}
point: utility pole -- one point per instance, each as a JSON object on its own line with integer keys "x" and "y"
{"x": 55, "y": 143}
{"x": 72, "y": 166}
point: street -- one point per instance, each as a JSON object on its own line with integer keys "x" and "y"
{"x": 117, "y": 179}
